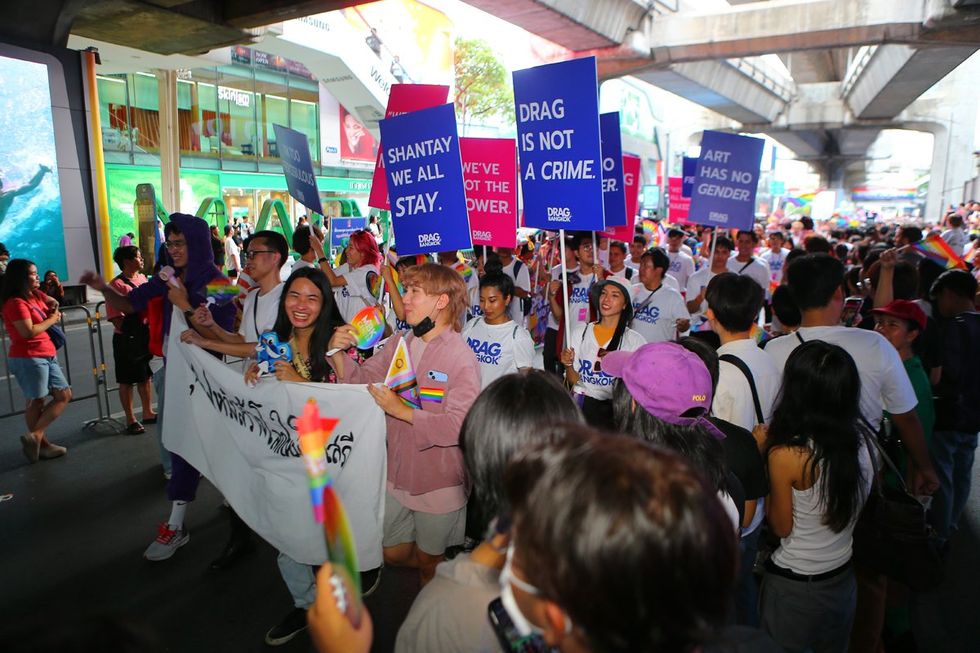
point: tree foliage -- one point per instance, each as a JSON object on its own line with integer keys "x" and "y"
{"x": 483, "y": 88}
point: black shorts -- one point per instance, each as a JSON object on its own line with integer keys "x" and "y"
{"x": 131, "y": 366}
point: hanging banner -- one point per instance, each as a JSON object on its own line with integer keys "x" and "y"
{"x": 678, "y": 207}
{"x": 689, "y": 168}
{"x": 613, "y": 191}
{"x": 490, "y": 179}
{"x": 631, "y": 183}
{"x": 402, "y": 99}
{"x": 294, "y": 152}
{"x": 342, "y": 228}
{"x": 243, "y": 439}
{"x": 425, "y": 181}
{"x": 558, "y": 138}
{"x": 726, "y": 181}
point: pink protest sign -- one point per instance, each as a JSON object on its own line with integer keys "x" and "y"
{"x": 490, "y": 179}
{"x": 631, "y": 182}
{"x": 680, "y": 206}
{"x": 403, "y": 98}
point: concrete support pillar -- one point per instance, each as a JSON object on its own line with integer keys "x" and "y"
{"x": 169, "y": 140}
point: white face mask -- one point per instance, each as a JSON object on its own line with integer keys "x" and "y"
{"x": 507, "y": 580}
{"x": 524, "y": 627}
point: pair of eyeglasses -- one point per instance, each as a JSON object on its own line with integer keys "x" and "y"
{"x": 175, "y": 244}
{"x": 255, "y": 252}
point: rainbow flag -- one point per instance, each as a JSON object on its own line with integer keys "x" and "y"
{"x": 377, "y": 285}
{"x": 221, "y": 292}
{"x": 314, "y": 433}
{"x": 465, "y": 271}
{"x": 934, "y": 248}
{"x": 435, "y": 395}
{"x": 971, "y": 256}
{"x": 401, "y": 377}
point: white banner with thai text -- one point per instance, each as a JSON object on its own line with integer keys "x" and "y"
{"x": 244, "y": 441}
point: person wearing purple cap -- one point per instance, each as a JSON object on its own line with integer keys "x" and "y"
{"x": 590, "y": 342}
{"x": 674, "y": 414}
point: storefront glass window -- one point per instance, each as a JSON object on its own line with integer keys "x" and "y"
{"x": 304, "y": 111}
{"x": 236, "y": 106}
{"x": 145, "y": 112}
{"x": 114, "y": 114}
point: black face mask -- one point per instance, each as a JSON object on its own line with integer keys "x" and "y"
{"x": 423, "y": 327}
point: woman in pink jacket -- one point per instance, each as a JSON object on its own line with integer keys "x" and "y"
{"x": 425, "y": 506}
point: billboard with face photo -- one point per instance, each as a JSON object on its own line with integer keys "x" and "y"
{"x": 356, "y": 142}
{"x": 30, "y": 198}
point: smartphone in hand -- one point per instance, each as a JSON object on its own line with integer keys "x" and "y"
{"x": 510, "y": 640}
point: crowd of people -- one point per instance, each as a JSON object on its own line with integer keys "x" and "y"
{"x": 686, "y": 472}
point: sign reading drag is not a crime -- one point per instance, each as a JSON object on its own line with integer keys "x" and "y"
{"x": 558, "y": 138}
{"x": 425, "y": 181}
{"x": 726, "y": 180}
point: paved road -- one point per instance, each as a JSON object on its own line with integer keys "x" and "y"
{"x": 72, "y": 536}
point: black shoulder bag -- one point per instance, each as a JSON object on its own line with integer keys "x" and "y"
{"x": 892, "y": 536}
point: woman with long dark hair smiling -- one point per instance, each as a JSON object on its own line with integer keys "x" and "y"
{"x": 590, "y": 342}
{"x": 820, "y": 474}
{"x": 306, "y": 320}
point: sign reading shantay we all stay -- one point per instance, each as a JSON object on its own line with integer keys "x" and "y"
{"x": 425, "y": 181}
{"x": 558, "y": 138}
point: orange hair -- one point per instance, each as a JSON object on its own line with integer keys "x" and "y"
{"x": 435, "y": 279}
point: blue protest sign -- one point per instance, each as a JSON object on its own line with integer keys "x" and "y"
{"x": 726, "y": 180}
{"x": 689, "y": 167}
{"x": 613, "y": 185}
{"x": 342, "y": 228}
{"x": 294, "y": 152}
{"x": 425, "y": 181}
{"x": 558, "y": 138}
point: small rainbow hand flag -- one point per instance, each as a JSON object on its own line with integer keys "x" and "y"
{"x": 401, "y": 377}
{"x": 221, "y": 292}
{"x": 465, "y": 271}
{"x": 934, "y": 248}
{"x": 314, "y": 432}
{"x": 377, "y": 286}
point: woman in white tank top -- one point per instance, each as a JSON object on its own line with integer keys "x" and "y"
{"x": 820, "y": 475}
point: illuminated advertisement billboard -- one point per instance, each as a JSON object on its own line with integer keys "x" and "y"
{"x": 30, "y": 198}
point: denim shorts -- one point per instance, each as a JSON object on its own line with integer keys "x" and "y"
{"x": 37, "y": 377}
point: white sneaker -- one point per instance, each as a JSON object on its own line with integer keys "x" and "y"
{"x": 167, "y": 542}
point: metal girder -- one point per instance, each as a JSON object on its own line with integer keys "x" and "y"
{"x": 574, "y": 24}
{"x": 887, "y": 78}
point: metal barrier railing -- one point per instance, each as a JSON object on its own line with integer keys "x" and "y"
{"x": 100, "y": 391}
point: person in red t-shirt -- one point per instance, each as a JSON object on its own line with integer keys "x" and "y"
{"x": 27, "y": 315}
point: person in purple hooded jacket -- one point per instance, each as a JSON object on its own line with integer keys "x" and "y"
{"x": 188, "y": 242}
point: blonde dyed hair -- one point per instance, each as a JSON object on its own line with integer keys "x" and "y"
{"x": 435, "y": 279}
